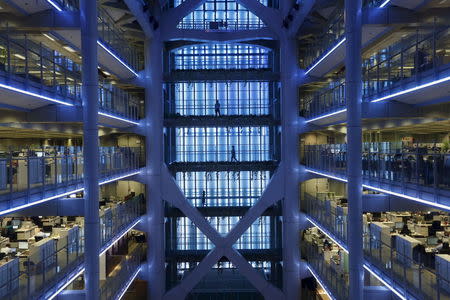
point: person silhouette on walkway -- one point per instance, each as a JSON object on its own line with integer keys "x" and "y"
{"x": 233, "y": 154}
{"x": 217, "y": 108}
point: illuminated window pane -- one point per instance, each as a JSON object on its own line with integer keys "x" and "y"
{"x": 221, "y": 15}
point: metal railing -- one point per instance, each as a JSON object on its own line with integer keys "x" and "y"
{"x": 333, "y": 32}
{"x": 416, "y": 172}
{"x": 414, "y": 272}
{"x": 129, "y": 265}
{"x": 32, "y": 67}
{"x": 336, "y": 281}
{"x": 110, "y": 34}
{"x": 416, "y": 59}
{"x": 115, "y": 219}
{"x": 37, "y": 173}
{"x": 329, "y": 216}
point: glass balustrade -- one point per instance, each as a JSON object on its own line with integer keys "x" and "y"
{"x": 415, "y": 59}
{"x": 111, "y": 35}
{"x": 333, "y": 274}
{"x": 414, "y": 171}
{"x": 323, "y": 101}
{"x": 128, "y": 266}
{"x": 115, "y": 219}
{"x": 51, "y": 259}
{"x": 323, "y": 209}
{"x": 418, "y": 271}
{"x": 38, "y": 173}
{"x": 332, "y": 33}
{"x": 30, "y": 66}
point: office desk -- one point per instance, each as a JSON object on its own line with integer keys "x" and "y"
{"x": 23, "y": 234}
{"x": 422, "y": 229}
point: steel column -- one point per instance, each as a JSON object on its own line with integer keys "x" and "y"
{"x": 154, "y": 146}
{"x": 89, "y": 37}
{"x": 354, "y": 140}
{"x": 290, "y": 167}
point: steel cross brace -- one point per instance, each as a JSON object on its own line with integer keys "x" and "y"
{"x": 223, "y": 245}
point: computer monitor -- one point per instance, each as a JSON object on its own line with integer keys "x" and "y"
{"x": 432, "y": 240}
{"x": 71, "y": 219}
{"x": 399, "y": 225}
{"x": 15, "y": 223}
{"x": 23, "y": 245}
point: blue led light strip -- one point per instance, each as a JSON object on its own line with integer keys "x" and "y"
{"x": 108, "y": 246}
{"x": 384, "y": 3}
{"x": 117, "y": 58}
{"x": 118, "y": 118}
{"x": 14, "y": 89}
{"x": 388, "y": 285}
{"x": 327, "y": 115}
{"x": 71, "y": 279}
{"x": 427, "y": 202}
{"x": 58, "y": 8}
{"x": 328, "y": 234}
{"x": 7, "y": 211}
{"x": 419, "y": 87}
{"x": 124, "y": 290}
{"x": 324, "y": 287}
{"x": 325, "y": 56}
{"x": 54, "y": 4}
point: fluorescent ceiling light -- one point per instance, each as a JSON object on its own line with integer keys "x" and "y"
{"x": 19, "y": 56}
{"x": 48, "y": 36}
{"x": 70, "y": 49}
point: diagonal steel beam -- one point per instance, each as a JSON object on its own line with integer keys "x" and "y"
{"x": 272, "y": 193}
{"x": 270, "y": 16}
{"x": 192, "y": 279}
{"x": 136, "y": 8}
{"x": 300, "y": 16}
{"x": 172, "y": 17}
{"x": 172, "y": 194}
{"x": 256, "y": 279}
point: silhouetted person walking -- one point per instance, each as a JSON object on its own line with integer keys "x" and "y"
{"x": 233, "y": 154}
{"x": 217, "y": 108}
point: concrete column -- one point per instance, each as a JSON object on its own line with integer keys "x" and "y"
{"x": 354, "y": 140}
{"x": 89, "y": 37}
{"x": 290, "y": 164}
{"x": 154, "y": 158}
